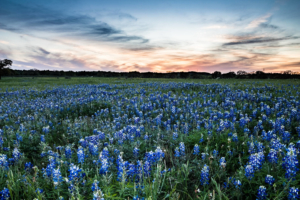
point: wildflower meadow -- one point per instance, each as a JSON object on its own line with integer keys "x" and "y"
{"x": 151, "y": 141}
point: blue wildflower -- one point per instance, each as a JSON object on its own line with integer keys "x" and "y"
{"x": 203, "y": 155}
{"x": 97, "y": 195}
{"x": 147, "y": 169}
{"x": 159, "y": 154}
{"x": 237, "y": 184}
{"x": 95, "y": 186}
{"x": 3, "y": 161}
{"x": 80, "y": 155}
{"x": 290, "y": 163}
{"x": 16, "y": 154}
{"x": 39, "y": 191}
{"x": 196, "y": 149}
{"x": 293, "y": 193}
{"x": 136, "y": 152}
{"x": 177, "y": 153}
{"x": 215, "y": 153}
{"x": 249, "y": 172}
{"x": 138, "y": 198}
{"x": 222, "y": 162}
{"x": 104, "y": 166}
{"x": 261, "y": 194}
{"x": 235, "y": 137}
{"x": 68, "y": 152}
{"x": 28, "y": 166}
{"x": 182, "y": 149}
{"x": 93, "y": 148}
{"x": 57, "y": 178}
{"x": 272, "y": 156}
{"x": 4, "y": 194}
{"x": 43, "y": 138}
{"x": 269, "y": 180}
{"x": 74, "y": 172}
{"x": 175, "y": 135}
{"x": 204, "y": 175}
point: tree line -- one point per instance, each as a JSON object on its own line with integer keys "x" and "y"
{"x": 6, "y": 71}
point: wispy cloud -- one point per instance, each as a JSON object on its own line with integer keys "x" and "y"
{"x": 255, "y": 23}
{"x": 5, "y": 50}
{"x": 41, "y": 58}
{"x": 269, "y": 26}
{"x": 142, "y": 49}
{"x": 7, "y": 27}
{"x": 43, "y": 51}
{"x": 4, "y": 53}
{"x": 20, "y": 18}
{"x": 258, "y": 40}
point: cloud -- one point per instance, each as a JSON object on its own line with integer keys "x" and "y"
{"x": 144, "y": 48}
{"x": 4, "y": 53}
{"x": 273, "y": 46}
{"x": 128, "y": 38}
{"x": 269, "y": 26}
{"x": 5, "y": 50}
{"x": 43, "y": 51}
{"x": 24, "y": 19}
{"x": 43, "y": 59}
{"x": 101, "y": 29}
{"x": 17, "y": 64}
{"x": 61, "y": 20}
{"x": 255, "y": 23}
{"x": 258, "y": 40}
{"x": 242, "y": 63}
{"x": 40, "y": 58}
{"x": 125, "y": 16}
{"x": 293, "y": 64}
{"x": 8, "y": 28}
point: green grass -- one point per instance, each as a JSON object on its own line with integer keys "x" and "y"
{"x": 43, "y": 82}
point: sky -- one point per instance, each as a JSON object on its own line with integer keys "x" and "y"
{"x": 156, "y": 35}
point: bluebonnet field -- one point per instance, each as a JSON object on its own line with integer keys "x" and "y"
{"x": 151, "y": 141}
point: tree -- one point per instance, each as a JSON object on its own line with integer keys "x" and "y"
{"x": 134, "y": 74}
{"x": 287, "y": 72}
{"x": 216, "y": 74}
{"x": 241, "y": 73}
{"x": 232, "y": 74}
{"x": 260, "y": 73}
{"x": 3, "y": 64}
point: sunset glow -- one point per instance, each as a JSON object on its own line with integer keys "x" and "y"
{"x": 157, "y": 36}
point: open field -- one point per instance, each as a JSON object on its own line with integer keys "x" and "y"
{"x": 110, "y": 138}
{"x": 42, "y": 82}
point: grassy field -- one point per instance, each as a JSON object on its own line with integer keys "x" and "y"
{"x": 43, "y": 82}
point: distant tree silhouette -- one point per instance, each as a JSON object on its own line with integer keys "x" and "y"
{"x": 3, "y": 64}
{"x": 229, "y": 75}
{"x": 191, "y": 74}
{"x": 216, "y": 74}
{"x": 241, "y": 73}
{"x": 259, "y": 72}
{"x": 133, "y": 74}
{"x": 287, "y": 72}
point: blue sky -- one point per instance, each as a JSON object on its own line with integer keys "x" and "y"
{"x": 151, "y": 35}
